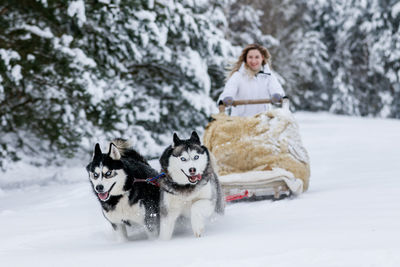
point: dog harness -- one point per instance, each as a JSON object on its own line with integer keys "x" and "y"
{"x": 151, "y": 180}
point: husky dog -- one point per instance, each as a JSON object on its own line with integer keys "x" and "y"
{"x": 190, "y": 187}
{"x": 118, "y": 180}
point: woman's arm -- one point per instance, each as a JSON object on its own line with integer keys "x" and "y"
{"x": 231, "y": 87}
{"x": 274, "y": 86}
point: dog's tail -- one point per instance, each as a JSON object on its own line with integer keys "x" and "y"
{"x": 125, "y": 147}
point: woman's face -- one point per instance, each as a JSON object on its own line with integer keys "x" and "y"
{"x": 254, "y": 59}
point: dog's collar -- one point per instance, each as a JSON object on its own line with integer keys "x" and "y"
{"x": 171, "y": 187}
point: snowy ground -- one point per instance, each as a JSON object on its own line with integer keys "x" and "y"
{"x": 349, "y": 217}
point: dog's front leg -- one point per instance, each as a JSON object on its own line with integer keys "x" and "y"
{"x": 122, "y": 234}
{"x": 167, "y": 225}
{"x": 152, "y": 221}
{"x": 152, "y": 225}
{"x": 200, "y": 211}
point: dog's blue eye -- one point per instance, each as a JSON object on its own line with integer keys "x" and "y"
{"x": 196, "y": 157}
{"x": 108, "y": 173}
{"x": 183, "y": 158}
{"x": 95, "y": 175}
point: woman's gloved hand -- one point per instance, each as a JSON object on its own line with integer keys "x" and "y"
{"x": 276, "y": 98}
{"x": 228, "y": 101}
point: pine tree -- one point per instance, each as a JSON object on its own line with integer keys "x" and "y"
{"x": 302, "y": 57}
{"x": 73, "y": 72}
{"x": 365, "y": 35}
{"x": 384, "y": 58}
{"x": 42, "y": 102}
{"x": 245, "y": 23}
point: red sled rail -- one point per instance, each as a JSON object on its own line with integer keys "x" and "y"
{"x": 237, "y": 196}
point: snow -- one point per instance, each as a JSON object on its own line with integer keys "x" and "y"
{"x": 44, "y": 33}
{"x": 62, "y": 44}
{"x": 77, "y": 8}
{"x": 396, "y": 9}
{"x": 146, "y": 15}
{"x": 44, "y": 3}
{"x": 349, "y": 217}
{"x": 2, "y": 97}
{"x": 7, "y": 55}
{"x": 16, "y": 74}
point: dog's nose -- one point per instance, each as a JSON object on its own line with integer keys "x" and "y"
{"x": 192, "y": 171}
{"x": 99, "y": 188}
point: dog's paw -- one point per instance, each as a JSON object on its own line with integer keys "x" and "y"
{"x": 121, "y": 238}
{"x": 151, "y": 235}
{"x": 198, "y": 232}
{"x": 121, "y": 233}
{"x": 165, "y": 237}
{"x": 198, "y": 235}
{"x": 166, "y": 233}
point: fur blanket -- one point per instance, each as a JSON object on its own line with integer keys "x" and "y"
{"x": 263, "y": 142}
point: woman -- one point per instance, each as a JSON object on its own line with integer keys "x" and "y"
{"x": 251, "y": 78}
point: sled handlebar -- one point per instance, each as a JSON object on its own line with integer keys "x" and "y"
{"x": 244, "y": 102}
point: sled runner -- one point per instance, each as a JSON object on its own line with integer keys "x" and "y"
{"x": 258, "y": 157}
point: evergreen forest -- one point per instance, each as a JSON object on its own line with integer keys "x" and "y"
{"x": 76, "y": 72}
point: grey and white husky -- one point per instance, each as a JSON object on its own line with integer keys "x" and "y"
{"x": 118, "y": 180}
{"x": 190, "y": 186}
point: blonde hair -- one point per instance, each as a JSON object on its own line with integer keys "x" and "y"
{"x": 242, "y": 58}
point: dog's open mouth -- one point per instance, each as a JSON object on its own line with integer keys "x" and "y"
{"x": 104, "y": 196}
{"x": 193, "y": 178}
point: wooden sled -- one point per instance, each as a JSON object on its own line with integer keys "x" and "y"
{"x": 259, "y": 157}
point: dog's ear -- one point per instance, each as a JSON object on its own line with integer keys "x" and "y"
{"x": 114, "y": 152}
{"x": 195, "y": 138}
{"x": 177, "y": 141}
{"x": 97, "y": 151}
{"x": 88, "y": 167}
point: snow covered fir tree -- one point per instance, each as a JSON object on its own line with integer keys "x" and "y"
{"x": 76, "y": 71}
{"x": 72, "y": 71}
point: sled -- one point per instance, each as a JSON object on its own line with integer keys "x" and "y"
{"x": 259, "y": 157}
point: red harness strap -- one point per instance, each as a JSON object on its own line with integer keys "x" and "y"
{"x": 237, "y": 196}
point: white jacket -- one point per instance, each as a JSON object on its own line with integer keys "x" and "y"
{"x": 240, "y": 86}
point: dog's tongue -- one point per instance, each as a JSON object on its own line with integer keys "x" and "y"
{"x": 195, "y": 178}
{"x": 103, "y": 196}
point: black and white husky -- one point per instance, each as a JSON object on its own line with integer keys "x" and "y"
{"x": 190, "y": 186}
{"x": 118, "y": 182}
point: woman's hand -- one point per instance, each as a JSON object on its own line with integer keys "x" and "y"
{"x": 276, "y": 98}
{"x": 228, "y": 101}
